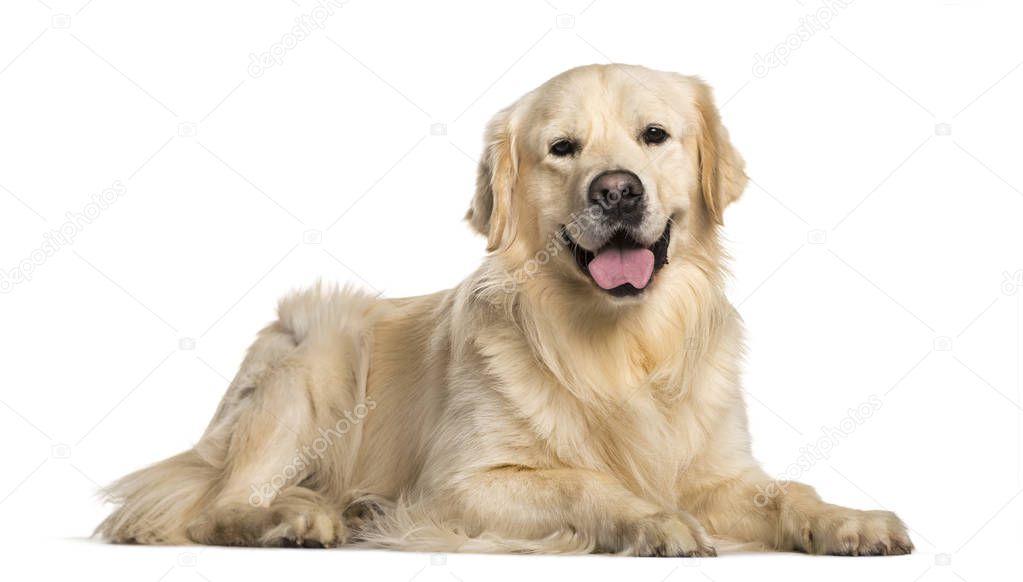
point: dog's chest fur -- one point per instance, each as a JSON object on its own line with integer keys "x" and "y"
{"x": 640, "y": 407}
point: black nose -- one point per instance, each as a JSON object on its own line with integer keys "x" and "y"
{"x": 619, "y": 193}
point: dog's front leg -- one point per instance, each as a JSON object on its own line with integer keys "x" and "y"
{"x": 528, "y": 503}
{"x": 786, "y": 515}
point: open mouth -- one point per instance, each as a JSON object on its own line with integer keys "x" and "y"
{"x": 623, "y": 266}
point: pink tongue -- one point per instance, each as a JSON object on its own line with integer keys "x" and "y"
{"x": 614, "y": 267}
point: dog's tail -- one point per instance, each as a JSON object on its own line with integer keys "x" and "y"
{"x": 158, "y": 502}
{"x": 416, "y": 526}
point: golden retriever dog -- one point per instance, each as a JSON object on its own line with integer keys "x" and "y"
{"x": 580, "y": 392}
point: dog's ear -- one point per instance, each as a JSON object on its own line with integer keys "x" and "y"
{"x": 490, "y": 212}
{"x": 722, "y": 169}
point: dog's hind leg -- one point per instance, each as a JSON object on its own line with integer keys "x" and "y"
{"x": 273, "y": 450}
{"x": 293, "y": 439}
{"x": 274, "y": 458}
{"x": 156, "y": 503}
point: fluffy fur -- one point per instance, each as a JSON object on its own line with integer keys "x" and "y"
{"x": 525, "y": 410}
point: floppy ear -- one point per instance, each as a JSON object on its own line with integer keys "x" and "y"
{"x": 490, "y": 212}
{"x": 722, "y": 169}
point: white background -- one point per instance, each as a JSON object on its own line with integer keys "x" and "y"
{"x": 877, "y": 250}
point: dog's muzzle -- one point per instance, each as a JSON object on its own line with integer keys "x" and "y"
{"x": 623, "y": 266}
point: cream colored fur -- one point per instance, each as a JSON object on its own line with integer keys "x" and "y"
{"x": 525, "y": 410}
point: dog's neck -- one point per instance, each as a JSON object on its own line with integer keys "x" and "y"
{"x": 603, "y": 350}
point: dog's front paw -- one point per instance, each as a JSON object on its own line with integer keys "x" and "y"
{"x": 664, "y": 534}
{"x": 850, "y": 532}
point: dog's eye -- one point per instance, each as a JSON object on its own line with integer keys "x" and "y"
{"x": 654, "y": 135}
{"x": 564, "y": 147}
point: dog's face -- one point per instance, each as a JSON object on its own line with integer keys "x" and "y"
{"x": 613, "y": 164}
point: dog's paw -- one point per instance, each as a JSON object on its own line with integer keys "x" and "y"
{"x": 665, "y": 535}
{"x": 850, "y": 532}
{"x": 289, "y": 526}
{"x": 307, "y": 528}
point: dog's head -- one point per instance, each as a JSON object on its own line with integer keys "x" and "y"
{"x": 612, "y": 164}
